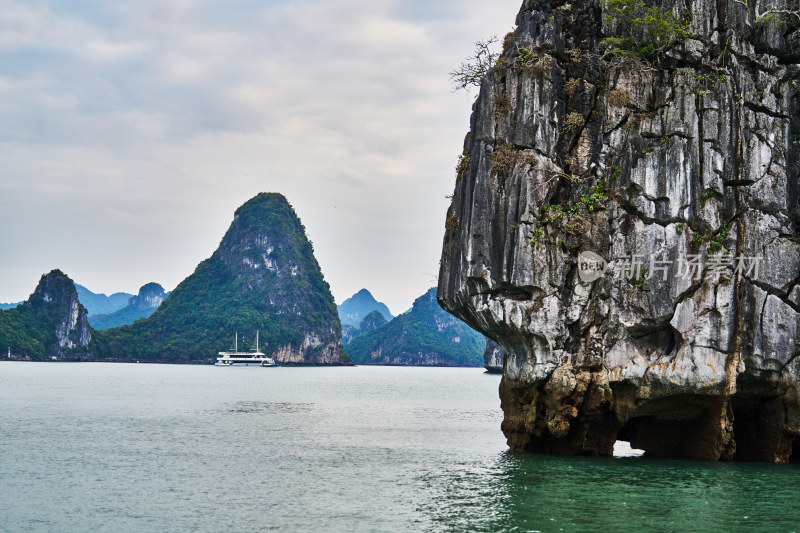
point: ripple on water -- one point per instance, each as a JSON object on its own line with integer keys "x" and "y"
{"x": 267, "y": 407}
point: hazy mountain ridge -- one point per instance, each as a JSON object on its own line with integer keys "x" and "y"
{"x": 99, "y": 303}
{"x": 373, "y": 320}
{"x": 425, "y": 336}
{"x": 353, "y": 310}
{"x": 142, "y": 305}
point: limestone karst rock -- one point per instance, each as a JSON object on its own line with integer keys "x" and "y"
{"x": 52, "y": 323}
{"x": 262, "y": 278}
{"x": 150, "y": 296}
{"x": 142, "y": 305}
{"x": 687, "y": 164}
{"x": 493, "y": 357}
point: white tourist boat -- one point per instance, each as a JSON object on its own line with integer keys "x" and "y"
{"x": 237, "y": 358}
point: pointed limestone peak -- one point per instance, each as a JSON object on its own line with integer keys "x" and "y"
{"x": 262, "y": 277}
{"x": 353, "y": 310}
{"x": 51, "y": 323}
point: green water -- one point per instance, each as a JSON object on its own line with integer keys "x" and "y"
{"x": 111, "y": 447}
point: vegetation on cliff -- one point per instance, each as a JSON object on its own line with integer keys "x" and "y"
{"x": 659, "y": 143}
{"x": 640, "y": 32}
{"x": 263, "y": 277}
{"x": 51, "y": 323}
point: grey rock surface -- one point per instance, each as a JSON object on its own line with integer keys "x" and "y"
{"x": 695, "y": 161}
{"x": 493, "y": 357}
{"x": 73, "y": 334}
{"x": 150, "y": 296}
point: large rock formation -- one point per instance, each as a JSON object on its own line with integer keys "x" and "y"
{"x": 263, "y": 277}
{"x": 52, "y": 323}
{"x": 142, "y": 305}
{"x": 682, "y": 157}
{"x": 424, "y": 336}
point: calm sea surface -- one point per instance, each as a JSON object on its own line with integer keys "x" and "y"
{"x": 115, "y": 447}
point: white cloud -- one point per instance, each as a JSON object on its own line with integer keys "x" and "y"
{"x": 129, "y": 134}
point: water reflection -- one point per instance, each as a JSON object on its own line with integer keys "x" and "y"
{"x": 525, "y": 492}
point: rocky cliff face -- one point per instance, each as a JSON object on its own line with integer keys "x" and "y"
{"x": 628, "y": 231}
{"x": 493, "y": 357}
{"x": 51, "y": 323}
{"x": 150, "y": 296}
{"x": 263, "y": 277}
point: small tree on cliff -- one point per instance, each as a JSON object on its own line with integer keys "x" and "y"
{"x": 477, "y": 66}
{"x": 640, "y": 32}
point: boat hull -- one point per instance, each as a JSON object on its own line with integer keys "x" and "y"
{"x": 248, "y": 363}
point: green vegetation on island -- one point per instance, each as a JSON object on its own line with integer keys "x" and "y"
{"x": 426, "y": 335}
{"x": 126, "y": 315}
{"x": 263, "y": 277}
{"x": 51, "y": 323}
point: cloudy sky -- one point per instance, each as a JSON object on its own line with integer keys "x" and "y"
{"x": 131, "y": 131}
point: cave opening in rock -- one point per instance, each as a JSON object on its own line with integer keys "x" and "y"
{"x": 661, "y": 339}
{"x": 760, "y": 431}
{"x": 623, "y": 448}
{"x": 685, "y": 425}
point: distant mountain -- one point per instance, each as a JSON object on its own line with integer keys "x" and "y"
{"x": 100, "y": 304}
{"x": 9, "y": 306}
{"x": 140, "y": 306}
{"x": 425, "y": 336}
{"x": 263, "y": 277}
{"x": 51, "y": 323}
{"x": 373, "y": 320}
{"x": 353, "y": 310}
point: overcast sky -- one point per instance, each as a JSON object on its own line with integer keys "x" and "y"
{"x": 131, "y": 131}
